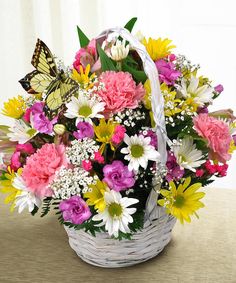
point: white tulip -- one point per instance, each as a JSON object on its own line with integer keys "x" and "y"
{"x": 119, "y": 51}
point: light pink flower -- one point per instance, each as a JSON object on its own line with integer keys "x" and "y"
{"x": 87, "y": 55}
{"x": 41, "y": 167}
{"x": 120, "y": 91}
{"x": 217, "y": 134}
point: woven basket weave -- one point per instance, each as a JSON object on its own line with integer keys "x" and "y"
{"x": 104, "y": 251}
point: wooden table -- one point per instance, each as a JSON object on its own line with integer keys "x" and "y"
{"x": 36, "y": 250}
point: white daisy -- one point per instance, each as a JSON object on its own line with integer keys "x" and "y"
{"x": 116, "y": 216}
{"x": 187, "y": 156}
{"x": 84, "y": 108}
{"x": 21, "y": 132}
{"x": 139, "y": 151}
{"x": 25, "y": 199}
{"x": 201, "y": 95}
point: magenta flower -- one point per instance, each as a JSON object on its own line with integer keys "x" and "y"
{"x": 40, "y": 121}
{"x": 152, "y": 135}
{"x": 87, "y": 165}
{"x": 20, "y": 154}
{"x": 15, "y": 161}
{"x": 219, "y": 88}
{"x": 167, "y": 72}
{"x": 26, "y": 116}
{"x": 85, "y": 130}
{"x": 119, "y": 134}
{"x": 174, "y": 170}
{"x": 118, "y": 177}
{"x": 98, "y": 157}
{"x": 75, "y": 210}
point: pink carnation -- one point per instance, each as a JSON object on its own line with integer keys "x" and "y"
{"x": 120, "y": 91}
{"x": 41, "y": 167}
{"x": 217, "y": 134}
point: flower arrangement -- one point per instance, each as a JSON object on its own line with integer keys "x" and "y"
{"x": 84, "y": 142}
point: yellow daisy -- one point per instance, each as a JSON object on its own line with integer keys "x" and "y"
{"x": 104, "y": 132}
{"x": 232, "y": 147}
{"x": 96, "y": 196}
{"x": 83, "y": 77}
{"x": 14, "y": 107}
{"x": 158, "y": 48}
{"x": 6, "y": 186}
{"x": 172, "y": 104}
{"x": 183, "y": 201}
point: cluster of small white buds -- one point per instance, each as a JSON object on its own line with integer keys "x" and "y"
{"x": 81, "y": 150}
{"x": 70, "y": 182}
{"x": 130, "y": 117}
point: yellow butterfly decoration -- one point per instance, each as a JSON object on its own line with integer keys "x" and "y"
{"x": 46, "y": 77}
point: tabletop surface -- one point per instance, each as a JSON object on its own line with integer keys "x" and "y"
{"x": 34, "y": 249}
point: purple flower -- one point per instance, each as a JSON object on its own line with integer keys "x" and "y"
{"x": 202, "y": 110}
{"x": 85, "y": 130}
{"x": 118, "y": 177}
{"x": 174, "y": 170}
{"x": 234, "y": 138}
{"x": 219, "y": 88}
{"x": 75, "y": 210}
{"x": 40, "y": 121}
{"x": 167, "y": 72}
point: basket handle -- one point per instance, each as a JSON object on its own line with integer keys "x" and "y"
{"x": 150, "y": 69}
{"x": 157, "y": 102}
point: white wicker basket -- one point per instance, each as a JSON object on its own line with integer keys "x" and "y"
{"x": 150, "y": 241}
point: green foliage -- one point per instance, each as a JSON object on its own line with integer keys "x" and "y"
{"x": 83, "y": 39}
{"x": 46, "y": 206}
{"x": 106, "y": 62}
{"x": 35, "y": 210}
{"x": 87, "y": 226}
{"x": 138, "y": 75}
{"x": 130, "y": 24}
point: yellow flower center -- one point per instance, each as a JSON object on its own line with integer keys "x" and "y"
{"x": 115, "y": 209}
{"x": 179, "y": 201}
{"x": 85, "y": 111}
{"x": 136, "y": 150}
{"x": 31, "y": 132}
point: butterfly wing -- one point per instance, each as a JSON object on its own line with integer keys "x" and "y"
{"x": 59, "y": 92}
{"x": 46, "y": 70}
{"x": 35, "y": 82}
{"x": 43, "y": 60}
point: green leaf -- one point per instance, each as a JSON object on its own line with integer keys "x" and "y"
{"x": 83, "y": 40}
{"x": 35, "y": 210}
{"x": 139, "y": 76}
{"x": 106, "y": 62}
{"x": 129, "y": 26}
{"x": 46, "y": 206}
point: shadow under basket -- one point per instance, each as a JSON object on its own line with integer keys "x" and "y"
{"x": 145, "y": 244}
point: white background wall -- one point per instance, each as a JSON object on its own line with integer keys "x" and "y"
{"x": 203, "y": 30}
